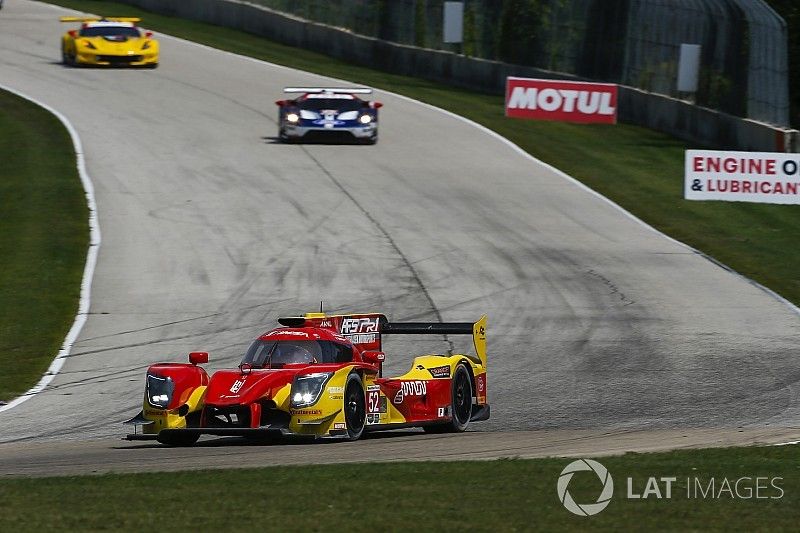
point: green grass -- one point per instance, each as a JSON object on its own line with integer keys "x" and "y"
{"x": 43, "y": 238}
{"x": 503, "y": 495}
{"x": 639, "y": 169}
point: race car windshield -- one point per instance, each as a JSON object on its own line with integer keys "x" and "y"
{"x": 275, "y": 354}
{"x": 110, "y": 31}
{"x": 339, "y": 104}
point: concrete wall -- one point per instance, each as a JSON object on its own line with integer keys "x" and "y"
{"x": 701, "y": 126}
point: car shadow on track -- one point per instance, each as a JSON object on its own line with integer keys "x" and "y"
{"x": 333, "y": 141}
{"x": 217, "y": 442}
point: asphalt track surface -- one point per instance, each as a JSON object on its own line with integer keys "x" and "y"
{"x": 604, "y": 335}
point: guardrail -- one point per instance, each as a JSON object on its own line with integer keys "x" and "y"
{"x": 697, "y": 125}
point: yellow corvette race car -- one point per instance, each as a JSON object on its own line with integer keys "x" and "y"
{"x": 112, "y": 41}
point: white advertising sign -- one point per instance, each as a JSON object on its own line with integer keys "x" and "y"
{"x": 760, "y": 177}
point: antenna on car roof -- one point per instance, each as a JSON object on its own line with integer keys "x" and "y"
{"x": 320, "y": 306}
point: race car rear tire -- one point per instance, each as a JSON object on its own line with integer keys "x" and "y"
{"x": 355, "y": 408}
{"x": 179, "y": 439}
{"x": 460, "y": 404}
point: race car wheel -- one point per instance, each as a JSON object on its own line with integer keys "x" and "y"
{"x": 460, "y": 404}
{"x": 66, "y": 58}
{"x": 355, "y": 410}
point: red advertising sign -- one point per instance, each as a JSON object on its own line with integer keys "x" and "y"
{"x": 564, "y": 101}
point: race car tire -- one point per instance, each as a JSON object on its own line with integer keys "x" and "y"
{"x": 284, "y": 138}
{"x": 355, "y": 408}
{"x": 67, "y": 59}
{"x": 460, "y": 404}
{"x": 180, "y": 439}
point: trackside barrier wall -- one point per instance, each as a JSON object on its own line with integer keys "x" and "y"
{"x": 701, "y": 126}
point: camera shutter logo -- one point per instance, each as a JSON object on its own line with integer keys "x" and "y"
{"x": 585, "y": 509}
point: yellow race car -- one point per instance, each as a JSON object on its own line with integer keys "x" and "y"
{"x": 111, "y": 41}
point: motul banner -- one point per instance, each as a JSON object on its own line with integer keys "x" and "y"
{"x": 564, "y": 101}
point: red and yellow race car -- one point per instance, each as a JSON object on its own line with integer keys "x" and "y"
{"x": 318, "y": 376}
{"x": 112, "y": 41}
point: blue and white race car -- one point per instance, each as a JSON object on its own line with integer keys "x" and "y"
{"x": 328, "y": 113}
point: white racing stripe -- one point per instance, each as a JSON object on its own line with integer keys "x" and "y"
{"x": 91, "y": 257}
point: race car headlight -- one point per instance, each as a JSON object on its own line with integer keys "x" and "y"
{"x": 292, "y": 117}
{"x": 158, "y": 391}
{"x": 365, "y": 119}
{"x": 307, "y": 389}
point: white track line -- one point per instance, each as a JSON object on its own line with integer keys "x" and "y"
{"x": 91, "y": 257}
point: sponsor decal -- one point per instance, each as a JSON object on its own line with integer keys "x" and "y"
{"x": 335, "y": 396}
{"x": 336, "y": 390}
{"x": 440, "y": 371}
{"x": 339, "y": 425}
{"x": 237, "y": 385}
{"x": 362, "y": 338}
{"x": 287, "y": 332}
{"x": 760, "y": 177}
{"x": 441, "y": 412}
{"x": 480, "y": 383}
{"x": 410, "y": 388}
{"x": 326, "y": 324}
{"x": 564, "y": 101}
{"x": 359, "y": 325}
{"x": 152, "y": 412}
{"x": 303, "y": 412}
{"x": 373, "y": 419}
{"x": 373, "y": 387}
{"x": 360, "y": 330}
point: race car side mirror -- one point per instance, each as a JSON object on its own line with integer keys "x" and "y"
{"x": 373, "y": 357}
{"x": 148, "y": 34}
{"x": 198, "y": 358}
{"x": 376, "y": 105}
{"x": 73, "y": 33}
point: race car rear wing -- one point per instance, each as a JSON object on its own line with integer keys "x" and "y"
{"x": 366, "y": 329}
{"x": 100, "y": 19}
{"x": 332, "y": 90}
{"x": 476, "y": 329}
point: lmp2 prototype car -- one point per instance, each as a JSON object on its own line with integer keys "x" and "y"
{"x": 111, "y": 41}
{"x": 317, "y": 376}
{"x": 322, "y": 112}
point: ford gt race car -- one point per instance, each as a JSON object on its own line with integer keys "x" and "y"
{"x": 114, "y": 41}
{"x": 317, "y": 376}
{"x": 327, "y": 113}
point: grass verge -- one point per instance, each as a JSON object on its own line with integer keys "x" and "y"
{"x": 637, "y": 168}
{"x": 44, "y": 234}
{"x": 503, "y": 495}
